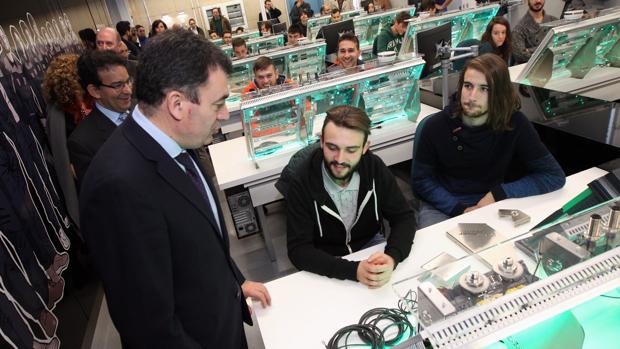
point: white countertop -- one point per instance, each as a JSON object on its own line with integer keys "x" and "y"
{"x": 308, "y": 309}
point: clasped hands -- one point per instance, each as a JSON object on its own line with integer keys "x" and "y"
{"x": 486, "y": 200}
{"x": 376, "y": 270}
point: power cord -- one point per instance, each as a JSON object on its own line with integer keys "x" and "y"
{"x": 371, "y": 333}
{"x": 409, "y": 303}
{"x": 373, "y": 327}
{"x": 392, "y": 318}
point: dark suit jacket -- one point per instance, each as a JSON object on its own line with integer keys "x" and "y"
{"x": 168, "y": 276}
{"x": 134, "y": 50}
{"x": 85, "y": 141}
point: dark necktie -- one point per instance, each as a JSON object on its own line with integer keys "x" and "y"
{"x": 185, "y": 160}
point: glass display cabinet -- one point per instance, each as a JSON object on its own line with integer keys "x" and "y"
{"x": 467, "y": 24}
{"x": 580, "y": 58}
{"x": 502, "y": 286}
{"x": 315, "y": 23}
{"x": 296, "y": 62}
{"x": 368, "y": 27}
{"x": 284, "y": 119}
{"x": 258, "y": 45}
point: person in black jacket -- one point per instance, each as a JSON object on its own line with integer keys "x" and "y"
{"x": 272, "y": 13}
{"x": 336, "y": 203}
{"x": 124, "y": 30}
{"x": 300, "y": 7}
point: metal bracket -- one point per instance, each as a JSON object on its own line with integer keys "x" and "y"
{"x": 518, "y": 217}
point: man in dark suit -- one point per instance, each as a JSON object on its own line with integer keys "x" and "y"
{"x": 150, "y": 214}
{"x": 104, "y": 76}
{"x": 124, "y": 30}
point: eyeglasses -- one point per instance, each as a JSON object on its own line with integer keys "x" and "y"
{"x": 118, "y": 86}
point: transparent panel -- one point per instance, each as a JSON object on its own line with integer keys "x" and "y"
{"x": 368, "y": 27}
{"x": 294, "y": 62}
{"x": 315, "y": 23}
{"x": 501, "y": 281}
{"x": 579, "y": 58}
{"x": 247, "y": 36}
{"x": 284, "y": 118}
{"x": 258, "y": 45}
{"x": 468, "y": 24}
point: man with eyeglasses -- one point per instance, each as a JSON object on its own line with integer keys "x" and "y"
{"x": 104, "y": 77}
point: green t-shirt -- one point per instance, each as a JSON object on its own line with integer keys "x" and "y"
{"x": 388, "y": 41}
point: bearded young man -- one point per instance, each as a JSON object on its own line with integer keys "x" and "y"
{"x": 479, "y": 150}
{"x": 528, "y": 34}
{"x": 338, "y": 197}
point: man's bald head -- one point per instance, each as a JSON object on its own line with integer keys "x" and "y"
{"x": 108, "y": 39}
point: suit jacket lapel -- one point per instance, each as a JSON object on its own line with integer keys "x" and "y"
{"x": 104, "y": 126}
{"x": 168, "y": 168}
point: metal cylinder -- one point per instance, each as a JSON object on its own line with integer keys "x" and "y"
{"x": 614, "y": 219}
{"x": 595, "y": 229}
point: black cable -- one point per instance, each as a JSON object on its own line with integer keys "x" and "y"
{"x": 612, "y": 297}
{"x": 393, "y": 318}
{"x": 373, "y": 327}
{"x": 409, "y": 303}
{"x": 372, "y": 333}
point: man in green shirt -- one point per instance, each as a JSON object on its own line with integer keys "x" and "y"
{"x": 390, "y": 38}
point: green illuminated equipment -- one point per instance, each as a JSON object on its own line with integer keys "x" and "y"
{"x": 296, "y": 62}
{"x": 579, "y": 58}
{"x": 288, "y": 117}
{"x": 467, "y": 24}
{"x": 368, "y": 27}
{"x": 315, "y": 23}
{"x": 258, "y": 45}
{"x": 506, "y": 284}
{"x": 247, "y": 36}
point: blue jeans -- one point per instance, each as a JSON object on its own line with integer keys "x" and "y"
{"x": 429, "y": 215}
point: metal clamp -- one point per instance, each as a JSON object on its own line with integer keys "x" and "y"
{"x": 518, "y": 217}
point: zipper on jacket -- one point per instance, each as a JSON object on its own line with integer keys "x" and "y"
{"x": 359, "y": 213}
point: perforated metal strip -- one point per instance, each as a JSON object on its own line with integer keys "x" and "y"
{"x": 555, "y": 291}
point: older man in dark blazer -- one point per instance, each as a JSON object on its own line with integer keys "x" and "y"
{"x": 104, "y": 75}
{"x": 150, "y": 214}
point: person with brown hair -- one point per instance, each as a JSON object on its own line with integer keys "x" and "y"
{"x": 479, "y": 150}
{"x": 390, "y": 38}
{"x": 240, "y": 48}
{"x": 338, "y": 196}
{"x": 219, "y": 23}
{"x": 529, "y": 32}
{"x": 265, "y": 75}
{"x": 497, "y": 39}
{"x": 61, "y": 86}
{"x": 157, "y": 27}
{"x": 348, "y": 52}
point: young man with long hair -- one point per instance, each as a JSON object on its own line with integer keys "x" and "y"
{"x": 480, "y": 149}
